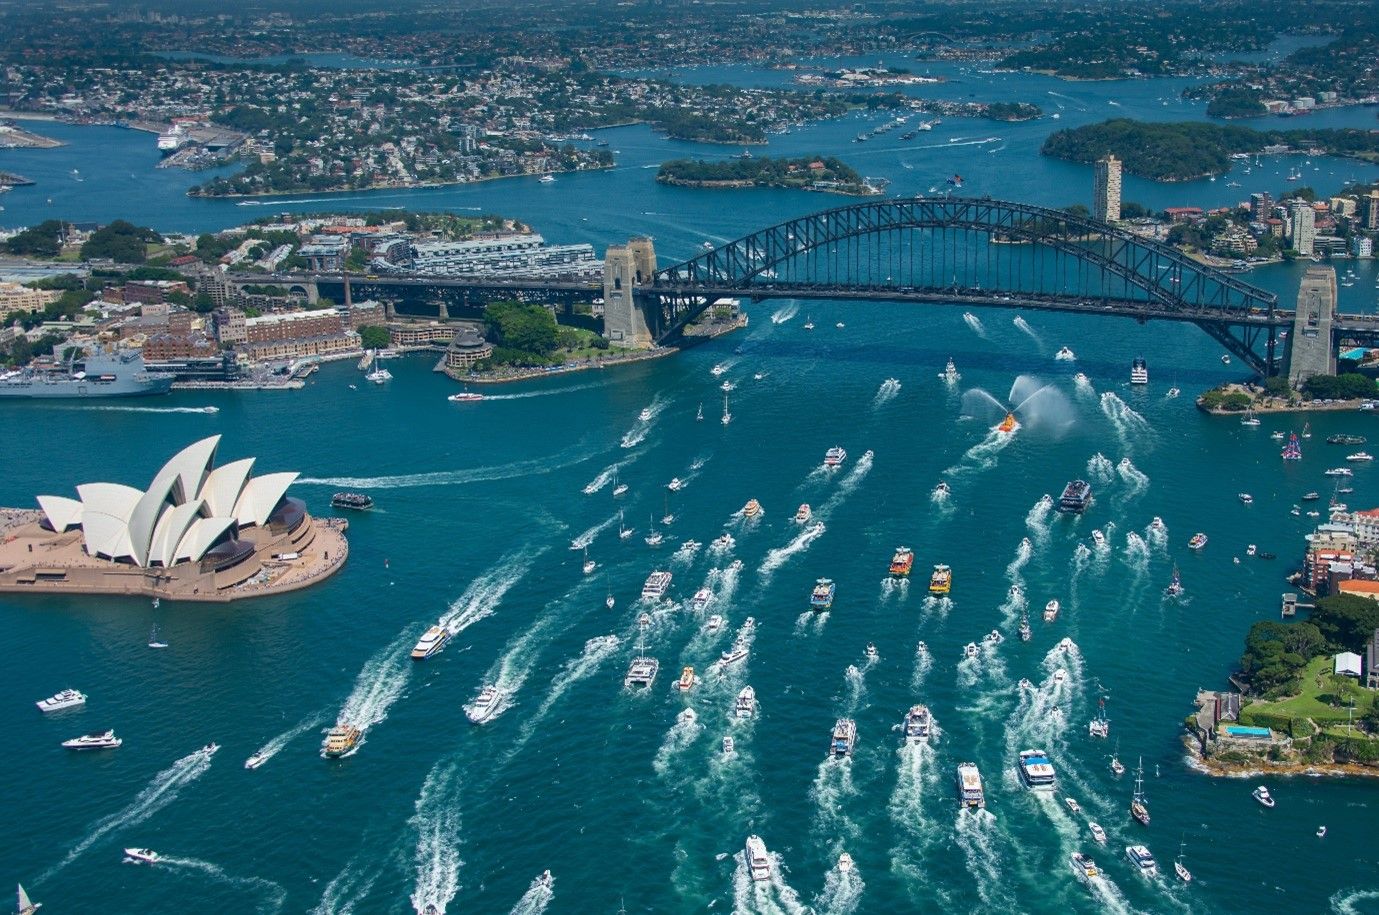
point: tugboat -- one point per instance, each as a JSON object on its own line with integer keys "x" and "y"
{"x": 941, "y": 582}
{"x": 844, "y": 736}
{"x": 821, "y": 598}
{"x": 354, "y": 501}
{"x": 917, "y": 723}
{"x": 1008, "y": 424}
{"x": 902, "y": 562}
{"x": 340, "y": 740}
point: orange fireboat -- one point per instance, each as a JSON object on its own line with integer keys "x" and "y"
{"x": 1008, "y": 424}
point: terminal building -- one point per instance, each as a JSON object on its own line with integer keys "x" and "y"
{"x": 506, "y": 257}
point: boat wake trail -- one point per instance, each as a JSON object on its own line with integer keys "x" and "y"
{"x": 1083, "y": 386}
{"x": 274, "y": 894}
{"x": 1037, "y": 518}
{"x": 605, "y": 477}
{"x": 350, "y": 887}
{"x": 939, "y": 605}
{"x": 1023, "y": 325}
{"x": 1156, "y": 536}
{"x": 159, "y": 793}
{"x": 833, "y": 793}
{"x": 975, "y": 323}
{"x": 567, "y": 458}
{"x": 976, "y": 834}
{"x": 1347, "y": 902}
{"x": 850, "y": 481}
{"x": 767, "y": 897}
{"x": 596, "y": 651}
{"x": 856, "y": 679}
{"x": 917, "y": 775}
{"x": 642, "y": 427}
{"x": 380, "y": 683}
{"x": 529, "y": 394}
{"x": 1015, "y": 604}
{"x": 275, "y": 746}
{"x": 983, "y": 455}
{"x": 785, "y": 313}
{"x": 535, "y": 899}
{"x": 678, "y": 740}
{"x": 1022, "y": 556}
{"x": 588, "y": 536}
{"x": 842, "y": 892}
{"x": 1136, "y": 479}
{"x": 888, "y": 390}
{"x": 1127, "y": 423}
{"x": 984, "y": 678}
{"x": 1100, "y": 468}
{"x": 1136, "y": 553}
{"x": 798, "y": 544}
{"x": 437, "y": 823}
{"x": 924, "y": 662}
{"x": 895, "y": 587}
{"x": 148, "y": 409}
{"x": 484, "y": 593}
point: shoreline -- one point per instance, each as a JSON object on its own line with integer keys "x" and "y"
{"x": 1213, "y": 768}
{"x": 257, "y": 195}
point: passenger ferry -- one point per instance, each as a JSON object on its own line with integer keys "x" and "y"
{"x": 68, "y": 698}
{"x": 821, "y": 598}
{"x": 751, "y": 509}
{"x": 746, "y": 704}
{"x": 656, "y": 584}
{"x": 465, "y": 396}
{"x": 1142, "y": 860}
{"x": 641, "y": 672}
{"x": 970, "y": 793}
{"x": 1051, "y": 610}
{"x": 1077, "y": 495}
{"x": 340, "y": 740}
{"x": 758, "y": 864}
{"x": 917, "y": 723}
{"x": 1198, "y": 541}
{"x": 430, "y": 643}
{"x": 941, "y": 582}
{"x": 356, "y": 501}
{"x": 702, "y": 598}
{"x": 803, "y": 514}
{"x": 687, "y": 680}
{"x": 902, "y": 562}
{"x": 844, "y": 737}
{"x": 105, "y": 740}
{"x": 1139, "y": 372}
{"x": 1035, "y": 770}
{"x": 834, "y": 456}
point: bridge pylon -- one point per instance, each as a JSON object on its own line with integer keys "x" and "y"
{"x": 625, "y": 267}
{"x": 1311, "y": 350}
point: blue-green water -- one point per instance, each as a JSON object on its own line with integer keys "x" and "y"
{"x": 478, "y": 504}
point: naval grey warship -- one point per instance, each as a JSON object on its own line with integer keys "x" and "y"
{"x": 95, "y": 375}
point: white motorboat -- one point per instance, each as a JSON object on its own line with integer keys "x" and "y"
{"x": 1245, "y": 498}
{"x": 1142, "y": 860}
{"x": 745, "y": 706}
{"x": 1097, "y": 832}
{"x": 687, "y": 717}
{"x": 675, "y": 484}
{"x": 871, "y": 652}
{"x": 1262, "y": 795}
{"x": 486, "y": 705}
{"x": 723, "y": 544}
{"x": 1065, "y": 645}
{"x": 68, "y": 698}
{"x": 645, "y": 415}
{"x": 844, "y": 863}
{"x": 713, "y": 623}
{"x": 993, "y": 637}
{"x": 702, "y": 598}
{"x": 918, "y": 723}
{"x": 758, "y": 863}
{"x": 141, "y": 856}
{"x": 1083, "y": 866}
{"x": 729, "y": 747}
{"x": 1051, "y": 611}
{"x": 256, "y": 760}
{"x": 1360, "y": 456}
{"x": 1059, "y": 675}
{"x": 430, "y": 643}
{"x": 1072, "y": 805}
{"x": 103, "y": 740}
{"x": 1064, "y": 354}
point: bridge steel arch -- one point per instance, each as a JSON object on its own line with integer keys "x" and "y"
{"x": 974, "y": 251}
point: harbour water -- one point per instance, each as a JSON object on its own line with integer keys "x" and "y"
{"x": 476, "y": 507}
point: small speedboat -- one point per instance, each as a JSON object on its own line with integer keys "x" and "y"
{"x": 645, "y": 415}
{"x": 1073, "y": 805}
{"x": 844, "y": 863}
{"x": 1097, "y": 832}
{"x": 970, "y": 650}
{"x": 871, "y": 652}
{"x": 1321, "y": 832}
{"x": 141, "y": 856}
{"x": 728, "y": 746}
{"x": 1262, "y": 795}
{"x": 255, "y": 761}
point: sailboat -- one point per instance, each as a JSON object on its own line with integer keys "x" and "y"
{"x": 153, "y": 640}
{"x": 808, "y": 323}
{"x": 1138, "y": 808}
{"x": 1179, "y": 868}
{"x": 1175, "y": 586}
{"x": 1249, "y": 418}
{"x": 618, "y": 488}
{"x": 699, "y": 417}
{"x": 1100, "y": 726}
{"x": 589, "y": 564}
{"x": 727, "y": 417}
{"x": 1116, "y": 765}
{"x": 655, "y": 537}
{"x": 26, "y": 906}
{"x": 1306, "y": 430}
{"x": 608, "y": 601}
{"x": 623, "y": 530}
{"x": 667, "y": 518}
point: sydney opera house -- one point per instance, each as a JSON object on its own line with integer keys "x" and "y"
{"x": 198, "y": 532}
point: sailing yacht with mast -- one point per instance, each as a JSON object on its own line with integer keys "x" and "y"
{"x": 623, "y": 530}
{"x": 642, "y": 671}
{"x": 25, "y": 905}
{"x": 655, "y": 537}
{"x": 727, "y": 417}
{"x": 1179, "y": 868}
{"x": 1138, "y": 808}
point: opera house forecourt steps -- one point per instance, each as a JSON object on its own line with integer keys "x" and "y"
{"x": 199, "y": 532}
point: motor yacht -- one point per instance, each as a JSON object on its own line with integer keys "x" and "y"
{"x": 1262, "y": 795}
{"x": 431, "y": 642}
{"x": 1142, "y": 860}
{"x": 746, "y": 704}
{"x": 67, "y": 698}
{"x": 835, "y": 456}
{"x": 1083, "y": 866}
{"x": 486, "y": 705}
{"x": 1051, "y": 610}
{"x": 731, "y": 655}
{"x": 1072, "y": 805}
{"x": 103, "y": 740}
{"x": 844, "y": 737}
{"x": 752, "y": 509}
{"x": 844, "y": 863}
{"x": 803, "y": 514}
{"x": 970, "y": 792}
{"x": 713, "y": 623}
{"x": 758, "y": 863}
{"x": 656, "y": 585}
{"x": 1097, "y": 832}
{"x": 702, "y": 598}
{"x": 918, "y": 723}
{"x": 465, "y": 397}
{"x": 258, "y": 759}
{"x": 641, "y": 672}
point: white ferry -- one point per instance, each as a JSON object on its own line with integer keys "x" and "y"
{"x": 641, "y": 672}
{"x": 1142, "y": 860}
{"x": 68, "y": 698}
{"x": 1035, "y": 770}
{"x": 758, "y": 864}
{"x": 834, "y": 456}
{"x": 844, "y": 737}
{"x": 917, "y": 723}
{"x": 656, "y": 584}
{"x": 486, "y": 705}
{"x": 1139, "y": 372}
{"x": 746, "y": 704}
{"x": 430, "y": 643}
{"x": 970, "y": 793}
{"x": 702, "y": 598}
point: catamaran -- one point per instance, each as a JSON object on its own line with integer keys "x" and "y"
{"x": 970, "y": 793}
{"x": 1035, "y": 770}
{"x": 941, "y": 582}
{"x": 844, "y": 737}
{"x": 821, "y": 598}
{"x": 1100, "y": 726}
{"x": 917, "y": 724}
{"x": 642, "y": 671}
{"x": 25, "y": 905}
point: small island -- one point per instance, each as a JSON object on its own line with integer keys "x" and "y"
{"x": 1188, "y": 150}
{"x": 809, "y": 173}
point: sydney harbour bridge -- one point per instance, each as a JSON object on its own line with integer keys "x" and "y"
{"x": 971, "y": 252}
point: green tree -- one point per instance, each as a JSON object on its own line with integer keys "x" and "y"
{"x": 1346, "y": 621}
{"x": 528, "y": 328}
{"x": 121, "y": 241}
{"x": 371, "y": 336}
{"x": 42, "y": 240}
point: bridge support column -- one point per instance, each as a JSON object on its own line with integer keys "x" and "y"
{"x": 443, "y": 311}
{"x": 624, "y": 268}
{"x": 1310, "y": 347}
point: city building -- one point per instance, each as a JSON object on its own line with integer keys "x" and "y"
{"x": 1372, "y": 661}
{"x": 1261, "y": 205}
{"x": 230, "y": 326}
{"x": 1372, "y": 210}
{"x": 168, "y": 346}
{"x": 1303, "y": 220}
{"x": 17, "y": 297}
{"x": 293, "y": 325}
{"x": 370, "y": 312}
{"x": 325, "y": 255}
{"x": 153, "y": 292}
{"x": 1106, "y": 189}
{"x": 1361, "y": 246}
{"x": 410, "y": 334}
{"x": 512, "y": 256}
{"x": 466, "y": 348}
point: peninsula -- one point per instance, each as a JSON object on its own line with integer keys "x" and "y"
{"x": 810, "y": 173}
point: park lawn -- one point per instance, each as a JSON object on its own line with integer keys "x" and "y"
{"x": 1307, "y": 705}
